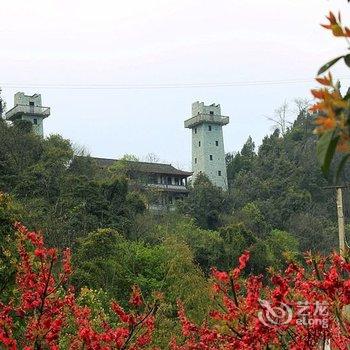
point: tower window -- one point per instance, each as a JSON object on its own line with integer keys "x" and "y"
{"x": 211, "y": 112}
{"x": 211, "y": 157}
{"x": 216, "y": 143}
{"x": 31, "y": 104}
{"x": 219, "y": 172}
{"x": 209, "y": 127}
{"x": 195, "y": 130}
{"x": 35, "y": 121}
{"x": 199, "y": 143}
{"x": 195, "y": 160}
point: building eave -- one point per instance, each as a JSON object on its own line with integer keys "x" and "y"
{"x": 145, "y": 167}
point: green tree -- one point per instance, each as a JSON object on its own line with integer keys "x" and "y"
{"x": 10, "y": 212}
{"x": 206, "y": 245}
{"x": 19, "y": 149}
{"x": 284, "y": 183}
{"x": 106, "y": 260}
{"x": 282, "y": 245}
{"x": 242, "y": 160}
{"x": 205, "y": 203}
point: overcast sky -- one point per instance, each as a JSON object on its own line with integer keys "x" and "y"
{"x": 86, "y": 57}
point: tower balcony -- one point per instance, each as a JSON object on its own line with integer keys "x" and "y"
{"x": 206, "y": 118}
{"x": 168, "y": 188}
{"x": 20, "y": 110}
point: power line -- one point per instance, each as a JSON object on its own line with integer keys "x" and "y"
{"x": 147, "y": 86}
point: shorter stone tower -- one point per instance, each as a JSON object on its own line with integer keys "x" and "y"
{"x": 208, "y": 153}
{"x": 29, "y": 108}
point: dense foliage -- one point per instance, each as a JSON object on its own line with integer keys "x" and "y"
{"x": 301, "y": 309}
{"x": 61, "y": 191}
{"x": 284, "y": 182}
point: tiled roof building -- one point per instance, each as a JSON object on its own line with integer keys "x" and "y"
{"x": 164, "y": 181}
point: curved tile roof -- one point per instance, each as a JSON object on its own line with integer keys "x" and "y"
{"x": 145, "y": 167}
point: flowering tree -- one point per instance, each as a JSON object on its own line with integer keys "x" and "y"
{"x": 300, "y": 310}
{"x": 43, "y": 312}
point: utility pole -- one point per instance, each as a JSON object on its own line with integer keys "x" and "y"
{"x": 341, "y": 220}
{"x": 1, "y": 105}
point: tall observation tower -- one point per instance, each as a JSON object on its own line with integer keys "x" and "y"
{"x": 29, "y": 108}
{"x": 208, "y": 153}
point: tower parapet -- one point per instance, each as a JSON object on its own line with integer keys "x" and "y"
{"x": 29, "y": 108}
{"x": 208, "y": 153}
{"x": 206, "y": 114}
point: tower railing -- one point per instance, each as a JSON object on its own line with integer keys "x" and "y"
{"x": 167, "y": 186}
{"x": 206, "y": 118}
{"x": 28, "y": 110}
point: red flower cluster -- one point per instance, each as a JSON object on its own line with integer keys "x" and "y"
{"x": 44, "y": 311}
{"x": 299, "y": 310}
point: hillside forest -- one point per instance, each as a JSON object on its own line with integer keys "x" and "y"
{"x": 277, "y": 208}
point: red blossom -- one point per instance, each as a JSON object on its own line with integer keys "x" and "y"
{"x": 136, "y": 297}
{"x": 314, "y": 301}
{"x": 44, "y": 308}
{"x": 221, "y": 276}
{"x": 242, "y": 260}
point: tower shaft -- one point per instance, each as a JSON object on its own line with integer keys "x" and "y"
{"x": 208, "y": 152}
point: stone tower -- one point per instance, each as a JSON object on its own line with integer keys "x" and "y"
{"x": 208, "y": 153}
{"x": 29, "y": 108}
